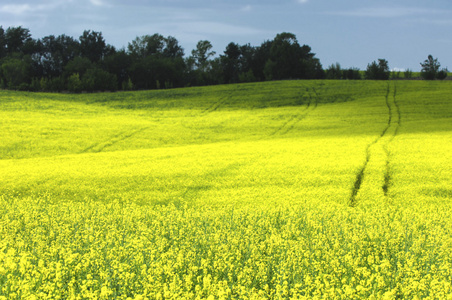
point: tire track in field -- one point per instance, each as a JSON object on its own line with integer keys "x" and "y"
{"x": 387, "y": 176}
{"x": 360, "y": 175}
{"x": 192, "y": 191}
{"x": 213, "y": 107}
{"x": 303, "y": 116}
{"x": 99, "y": 147}
{"x": 291, "y": 119}
{"x": 294, "y": 120}
{"x": 216, "y": 105}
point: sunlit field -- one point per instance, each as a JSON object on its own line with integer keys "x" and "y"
{"x": 276, "y": 190}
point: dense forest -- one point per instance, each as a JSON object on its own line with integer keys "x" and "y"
{"x": 63, "y": 63}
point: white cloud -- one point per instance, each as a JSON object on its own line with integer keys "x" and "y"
{"x": 385, "y": 12}
{"x": 398, "y": 69}
{"x": 97, "y": 2}
{"x": 246, "y": 8}
{"x": 214, "y": 28}
{"x": 15, "y": 9}
{"x": 23, "y": 9}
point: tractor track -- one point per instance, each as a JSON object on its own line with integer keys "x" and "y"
{"x": 361, "y": 173}
{"x": 290, "y": 124}
{"x": 215, "y": 106}
{"x": 99, "y": 147}
{"x": 387, "y": 176}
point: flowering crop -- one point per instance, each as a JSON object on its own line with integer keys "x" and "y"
{"x": 282, "y": 190}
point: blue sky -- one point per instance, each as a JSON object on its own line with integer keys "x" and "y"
{"x": 351, "y": 32}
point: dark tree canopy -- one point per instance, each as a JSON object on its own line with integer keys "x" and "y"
{"x": 378, "y": 70}
{"x": 202, "y": 54}
{"x": 289, "y": 60}
{"x": 16, "y": 38}
{"x": 56, "y": 53}
{"x": 430, "y": 69}
{"x": 93, "y": 45}
{"x": 153, "y": 61}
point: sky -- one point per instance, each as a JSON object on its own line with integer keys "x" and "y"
{"x": 351, "y": 32}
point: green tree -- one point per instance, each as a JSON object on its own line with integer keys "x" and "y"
{"x": 378, "y": 71}
{"x": 147, "y": 45}
{"x": 407, "y": 74}
{"x": 201, "y": 55}
{"x": 334, "y": 71}
{"x": 442, "y": 74}
{"x": 127, "y": 85}
{"x": 2, "y": 43}
{"x": 78, "y": 65}
{"x": 96, "y": 79}
{"x": 172, "y": 48}
{"x": 74, "y": 84}
{"x": 430, "y": 69}
{"x": 16, "y": 72}
{"x": 230, "y": 62}
{"x": 289, "y": 60}
{"x": 352, "y": 74}
{"x": 257, "y": 59}
{"x": 118, "y": 64}
{"x": 93, "y": 45}
{"x": 56, "y": 53}
{"x": 16, "y": 38}
{"x": 156, "y": 45}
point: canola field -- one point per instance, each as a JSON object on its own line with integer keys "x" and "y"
{"x": 277, "y": 190}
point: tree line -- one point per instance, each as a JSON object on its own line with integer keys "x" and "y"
{"x": 63, "y": 63}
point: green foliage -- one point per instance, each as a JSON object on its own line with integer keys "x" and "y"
{"x": 56, "y": 84}
{"x": 93, "y": 45}
{"x": 378, "y": 71}
{"x": 270, "y": 65}
{"x": 78, "y": 65}
{"x": 127, "y": 85}
{"x": 352, "y": 74}
{"x": 15, "y": 71}
{"x": 156, "y": 45}
{"x": 334, "y": 72}
{"x": 55, "y": 54}
{"x": 99, "y": 80}
{"x": 155, "y": 62}
{"x": 35, "y": 84}
{"x": 16, "y": 38}
{"x": 202, "y": 54}
{"x": 247, "y": 76}
{"x": 2, "y": 43}
{"x": 231, "y": 63}
{"x": 44, "y": 83}
{"x": 74, "y": 83}
{"x": 430, "y": 68}
{"x": 408, "y": 74}
{"x": 289, "y": 60}
{"x": 442, "y": 74}
{"x": 395, "y": 74}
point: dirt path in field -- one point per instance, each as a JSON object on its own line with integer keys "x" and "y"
{"x": 385, "y": 145}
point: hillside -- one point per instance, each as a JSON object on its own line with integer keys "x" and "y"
{"x": 265, "y": 190}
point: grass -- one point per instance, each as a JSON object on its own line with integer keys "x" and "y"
{"x": 292, "y": 189}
